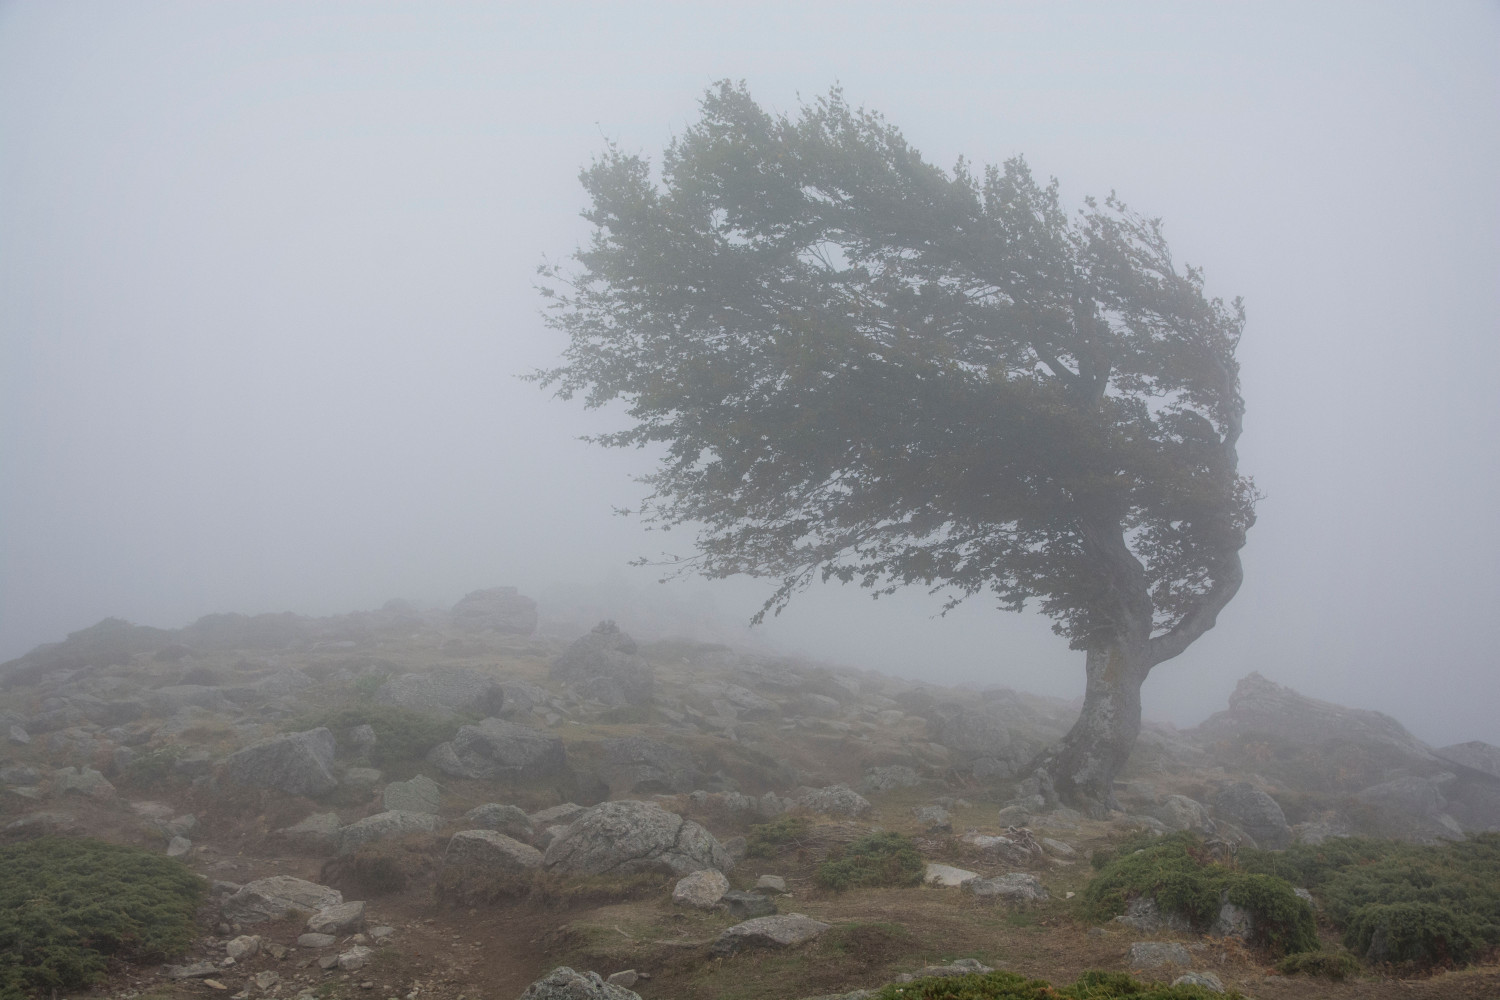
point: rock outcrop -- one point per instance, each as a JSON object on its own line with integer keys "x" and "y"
{"x": 604, "y": 665}
{"x": 500, "y": 750}
{"x": 296, "y": 763}
{"x": 617, "y": 838}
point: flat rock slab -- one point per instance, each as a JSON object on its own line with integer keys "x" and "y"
{"x": 786, "y": 930}
{"x": 1154, "y": 954}
{"x": 491, "y": 851}
{"x": 274, "y": 897}
{"x": 947, "y": 875}
{"x": 311, "y": 940}
{"x": 1016, "y": 887}
{"x": 562, "y": 983}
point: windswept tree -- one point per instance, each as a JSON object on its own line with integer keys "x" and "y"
{"x": 868, "y": 369}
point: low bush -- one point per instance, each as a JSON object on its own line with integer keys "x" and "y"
{"x": 401, "y": 734}
{"x": 68, "y": 905}
{"x": 1408, "y": 904}
{"x": 1335, "y": 965}
{"x": 154, "y": 768}
{"x": 767, "y": 840}
{"x": 1179, "y": 873}
{"x": 876, "y": 859}
{"x": 1009, "y": 986}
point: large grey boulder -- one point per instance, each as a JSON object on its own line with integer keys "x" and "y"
{"x": 833, "y": 800}
{"x": 562, "y": 983}
{"x": 274, "y": 897}
{"x": 603, "y": 664}
{"x": 295, "y": 763}
{"x": 786, "y": 930}
{"x": 496, "y": 749}
{"x": 444, "y": 692}
{"x": 1254, "y": 812}
{"x": 1014, "y": 887}
{"x": 701, "y": 890}
{"x": 498, "y": 609}
{"x": 384, "y": 826}
{"x": 615, "y": 838}
{"x": 420, "y": 794}
{"x": 490, "y": 852}
{"x": 1179, "y": 812}
{"x": 636, "y": 764}
{"x": 1154, "y": 954}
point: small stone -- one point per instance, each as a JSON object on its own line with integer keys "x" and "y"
{"x": 626, "y": 979}
{"x": 340, "y": 918}
{"x": 214, "y": 984}
{"x": 1207, "y": 980}
{"x": 701, "y": 889}
{"x": 770, "y": 883}
{"x": 244, "y": 946}
{"x": 1152, "y": 954}
{"x": 178, "y": 846}
{"x": 382, "y": 932}
{"x": 745, "y": 905}
{"x": 328, "y": 961}
{"x": 265, "y": 980}
{"x": 355, "y": 958}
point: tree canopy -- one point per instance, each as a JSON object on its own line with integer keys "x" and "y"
{"x": 867, "y": 368}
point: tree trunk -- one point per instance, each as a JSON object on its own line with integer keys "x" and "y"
{"x": 1080, "y": 769}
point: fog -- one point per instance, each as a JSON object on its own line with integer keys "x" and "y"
{"x": 266, "y": 286}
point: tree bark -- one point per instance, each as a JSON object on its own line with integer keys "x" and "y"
{"x": 1080, "y": 769}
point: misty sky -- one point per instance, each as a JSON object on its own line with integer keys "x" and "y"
{"x": 266, "y": 283}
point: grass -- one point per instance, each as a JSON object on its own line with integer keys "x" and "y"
{"x": 768, "y": 840}
{"x": 67, "y": 906}
{"x": 876, "y": 859}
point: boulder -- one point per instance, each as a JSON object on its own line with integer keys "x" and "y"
{"x": 886, "y": 779}
{"x": 509, "y": 820}
{"x": 603, "y": 664}
{"x": 491, "y": 852}
{"x": 339, "y": 918}
{"x": 1207, "y": 980}
{"x": 500, "y": 750}
{"x": 933, "y": 819}
{"x": 1146, "y": 916}
{"x": 317, "y": 834}
{"x": 834, "y": 800}
{"x": 563, "y": 983}
{"x": 384, "y": 826}
{"x": 420, "y": 794}
{"x": 1476, "y": 755}
{"x": 444, "y": 692}
{"x": 621, "y": 837}
{"x": 498, "y": 609}
{"x": 274, "y": 897}
{"x": 295, "y": 763}
{"x": 1254, "y": 812}
{"x": 785, "y": 930}
{"x": 634, "y": 764}
{"x": 701, "y": 890}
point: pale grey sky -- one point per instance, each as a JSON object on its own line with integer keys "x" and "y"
{"x": 266, "y": 282}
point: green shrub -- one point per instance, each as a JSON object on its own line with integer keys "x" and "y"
{"x": 876, "y": 859}
{"x": 1335, "y": 965}
{"x": 1178, "y": 873}
{"x": 67, "y": 905}
{"x": 767, "y": 840}
{"x": 1009, "y": 986}
{"x": 1414, "y": 904}
{"x": 401, "y": 734}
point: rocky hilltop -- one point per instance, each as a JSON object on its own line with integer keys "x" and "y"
{"x": 423, "y": 800}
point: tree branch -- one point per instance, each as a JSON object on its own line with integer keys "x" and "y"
{"x": 1202, "y": 617}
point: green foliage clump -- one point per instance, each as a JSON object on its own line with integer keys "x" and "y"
{"x": 1335, "y": 965}
{"x": 1010, "y": 986}
{"x": 1414, "y": 904}
{"x": 876, "y": 859}
{"x": 67, "y": 905}
{"x": 401, "y": 734}
{"x": 1179, "y": 874}
{"x": 767, "y": 840}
